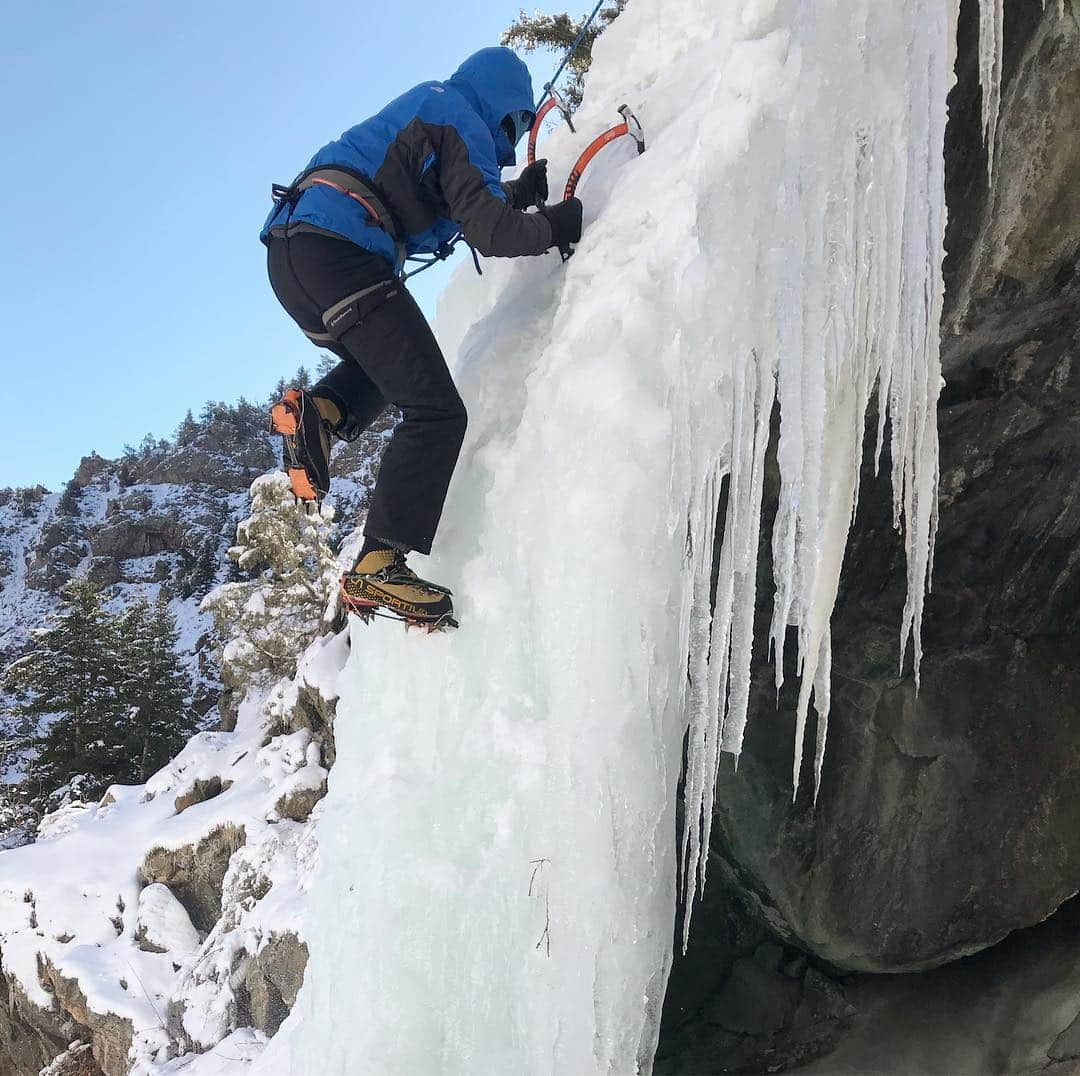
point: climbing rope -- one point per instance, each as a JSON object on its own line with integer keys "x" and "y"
{"x": 569, "y": 56}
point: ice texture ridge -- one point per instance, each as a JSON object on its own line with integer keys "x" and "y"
{"x": 498, "y": 855}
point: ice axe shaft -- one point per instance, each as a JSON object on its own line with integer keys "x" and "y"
{"x": 554, "y": 101}
{"x": 630, "y": 126}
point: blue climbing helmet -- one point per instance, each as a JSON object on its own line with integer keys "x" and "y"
{"x": 498, "y": 85}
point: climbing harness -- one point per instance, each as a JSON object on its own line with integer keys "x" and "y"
{"x": 344, "y": 180}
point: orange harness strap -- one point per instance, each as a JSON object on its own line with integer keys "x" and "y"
{"x": 352, "y": 194}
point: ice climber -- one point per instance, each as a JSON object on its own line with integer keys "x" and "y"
{"x": 398, "y": 184}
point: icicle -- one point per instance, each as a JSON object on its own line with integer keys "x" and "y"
{"x": 991, "y": 44}
{"x": 822, "y": 704}
{"x": 853, "y": 276}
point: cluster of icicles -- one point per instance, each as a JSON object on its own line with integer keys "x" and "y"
{"x": 859, "y": 296}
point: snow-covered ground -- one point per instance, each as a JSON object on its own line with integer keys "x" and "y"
{"x": 78, "y": 902}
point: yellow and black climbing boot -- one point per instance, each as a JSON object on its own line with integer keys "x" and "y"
{"x": 306, "y": 453}
{"x": 382, "y": 584}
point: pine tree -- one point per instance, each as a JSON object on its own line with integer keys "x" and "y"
{"x": 558, "y": 33}
{"x": 250, "y": 419}
{"x": 69, "y": 499}
{"x": 152, "y": 690}
{"x": 266, "y": 622}
{"x": 188, "y": 430}
{"x": 65, "y": 684}
{"x": 203, "y": 570}
{"x": 279, "y": 390}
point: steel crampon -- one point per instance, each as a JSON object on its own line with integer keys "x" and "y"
{"x": 368, "y": 611}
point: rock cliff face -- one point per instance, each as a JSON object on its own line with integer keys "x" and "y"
{"x": 947, "y": 818}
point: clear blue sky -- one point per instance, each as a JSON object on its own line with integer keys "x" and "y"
{"x": 139, "y": 142}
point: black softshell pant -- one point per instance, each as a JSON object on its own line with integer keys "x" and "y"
{"x": 389, "y": 355}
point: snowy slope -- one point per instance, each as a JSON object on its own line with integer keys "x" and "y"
{"x": 498, "y": 850}
{"x": 77, "y": 916}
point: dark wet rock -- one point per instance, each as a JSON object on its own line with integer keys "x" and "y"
{"x": 738, "y": 1001}
{"x": 200, "y": 791}
{"x": 998, "y": 1011}
{"x": 195, "y": 873}
{"x": 756, "y": 1000}
{"x": 1027, "y": 230}
{"x": 949, "y": 819}
{"x": 1066, "y": 1047}
{"x": 30, "y": 1036}
{"x": 271, "y": 981}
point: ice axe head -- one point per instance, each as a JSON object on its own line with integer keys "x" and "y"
{"x": 633, "y": 127}
{"x": 562, "y": 106}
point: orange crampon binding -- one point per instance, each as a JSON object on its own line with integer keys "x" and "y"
{"x": 305, "y": 452}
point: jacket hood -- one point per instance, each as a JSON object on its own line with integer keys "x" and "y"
{"x": 495, "y": 82}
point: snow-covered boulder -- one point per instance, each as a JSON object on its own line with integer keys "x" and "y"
{"x": 162, "y": 924}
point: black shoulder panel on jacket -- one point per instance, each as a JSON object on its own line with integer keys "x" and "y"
{"x": 489, "y": 223}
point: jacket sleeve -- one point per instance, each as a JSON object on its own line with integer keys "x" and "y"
{"x": 479, "y": 203}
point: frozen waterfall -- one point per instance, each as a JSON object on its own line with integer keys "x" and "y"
{"x": 497, "y": 886}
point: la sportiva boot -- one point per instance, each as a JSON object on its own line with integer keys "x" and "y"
{"x": 306, "y": 444}
{"x": 382, "y": 584}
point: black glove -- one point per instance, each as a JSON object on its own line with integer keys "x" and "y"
{"x": 565, "y": 221}
{"x": 531, "y": 187}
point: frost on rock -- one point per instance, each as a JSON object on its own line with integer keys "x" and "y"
{"x": 497, "y": 850}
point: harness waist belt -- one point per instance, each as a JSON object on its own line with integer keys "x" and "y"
{"x": 356, "y": 187}
{"x": 344, "y": 180}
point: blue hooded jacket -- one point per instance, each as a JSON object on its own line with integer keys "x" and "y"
{"x": 434, "y": 156}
